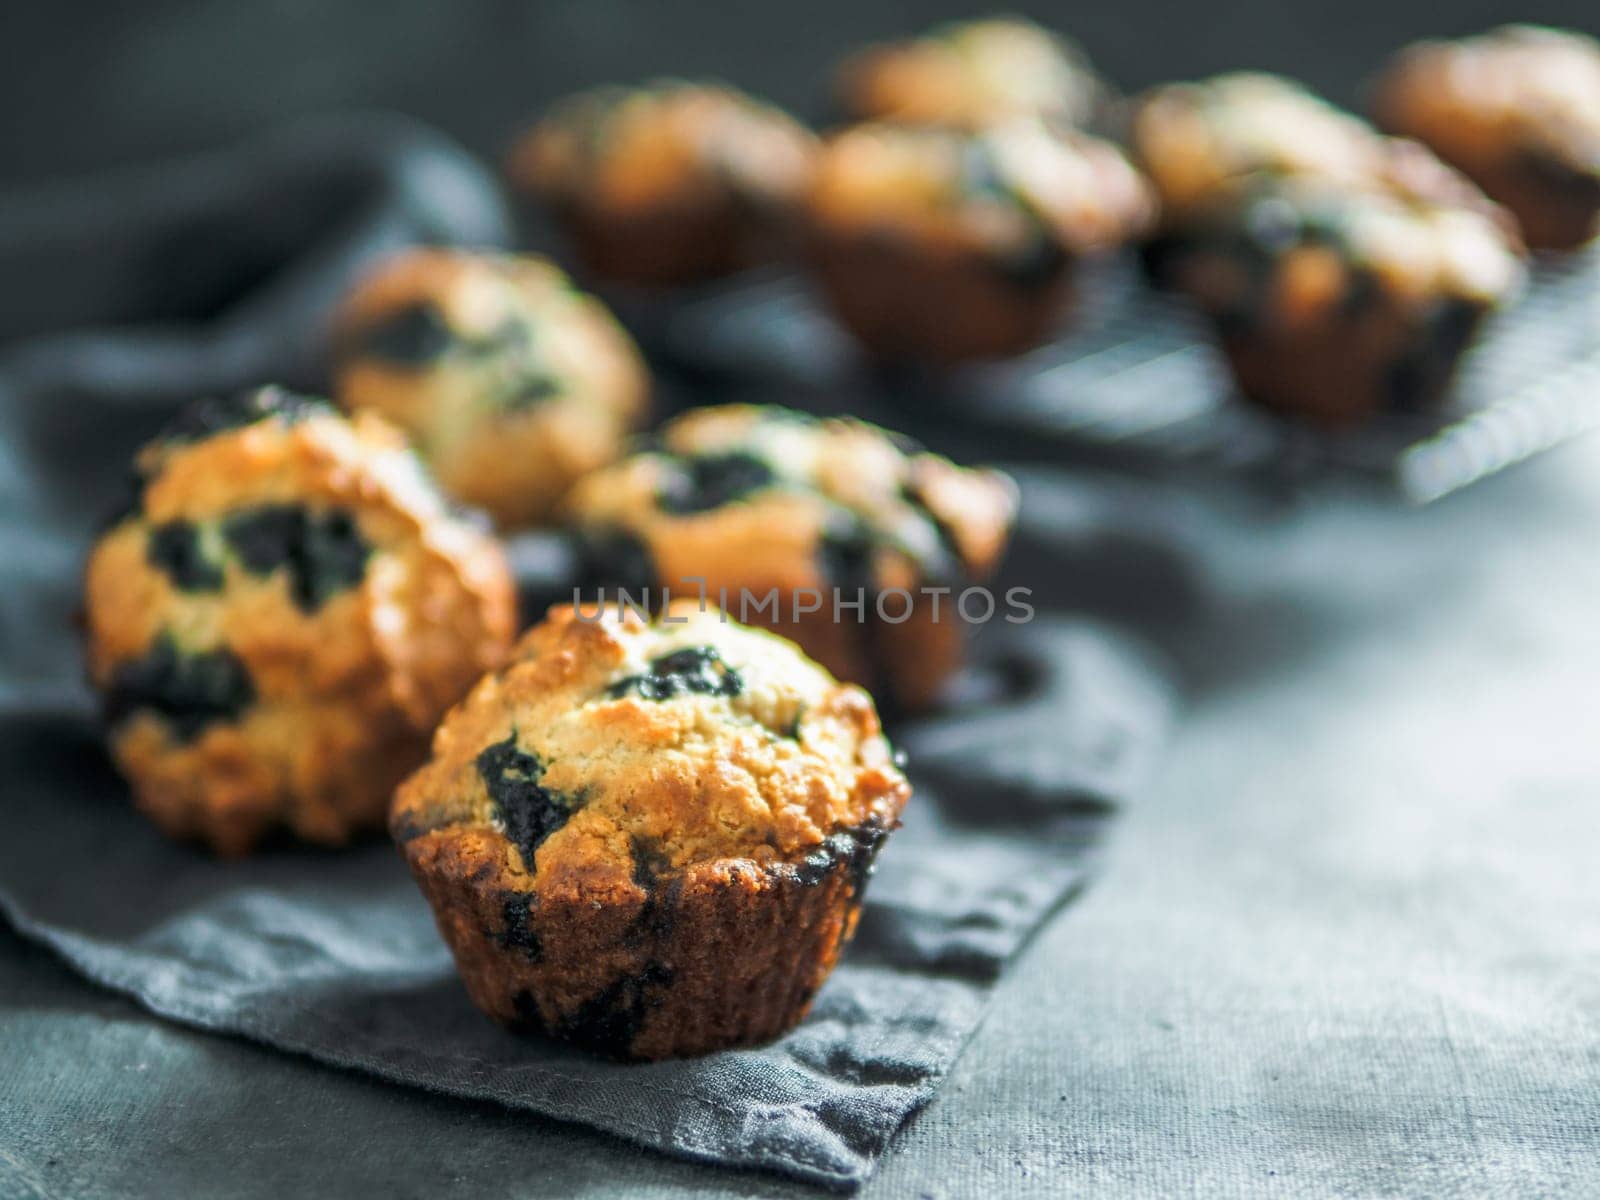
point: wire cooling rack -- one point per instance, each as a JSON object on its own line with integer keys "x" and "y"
{"x": 1136, "y": 381}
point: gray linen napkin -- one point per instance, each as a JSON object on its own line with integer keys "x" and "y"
{"x": 334, "y": 955}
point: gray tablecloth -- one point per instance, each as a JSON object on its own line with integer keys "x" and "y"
{"x": 1350, "y": 945}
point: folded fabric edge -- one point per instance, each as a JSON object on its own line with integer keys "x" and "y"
{"x": 845, "y": 1168}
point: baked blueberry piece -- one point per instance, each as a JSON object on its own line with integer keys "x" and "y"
{"x": 650, "y": 839}
{"x": 1518, "y": 111}
{"x": 668, "y": 183}
{"x": 937, "y": 245}
{"x": 756, "y": 503}
{"x": 972, "y": 74}
{"x": 280, "y": 618}
{"x": 509, "y": 381}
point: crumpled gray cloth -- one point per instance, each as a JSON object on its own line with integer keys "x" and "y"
{"x": 335, "y": 955}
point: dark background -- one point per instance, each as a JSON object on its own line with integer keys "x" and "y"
{"x": 89, "y": 85}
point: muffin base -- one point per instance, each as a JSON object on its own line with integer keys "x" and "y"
{"x": 669, "y": 247}
{"x": 724, "y": 954}
{"x": 1341, "y": 373}
{"x": 1556, "y": 209}
{"x": 903, "y": 303}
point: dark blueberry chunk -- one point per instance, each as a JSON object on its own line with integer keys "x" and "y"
{"x": 214, "y": 416}
{"x": 697, "y": 670}
{"x": 407, "y": 828}
{"x": 187, "y": 691}
{"x": 611, "y": 1020}
{"x": 532, "y": 392}
{"x": 529, "y": 811}
{"x": 174, "y": 548}
{"x": 323, "y": 552}
{"x": 845, "y": 555}
{"x": 710, "y": 481}
{"x": 413, "y": 336}
{"x": 854, "y": 850}
{"x": 1040, "y": 260}
{"x": 265, "y": 538}
{"x": 650, "y": 861}
{"x": 516, "y": 934}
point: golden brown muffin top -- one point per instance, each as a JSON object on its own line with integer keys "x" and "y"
{"x": 276, "y": 551}
{"x": 1194, "y": 138}
{"x": 632, "y": 150}
{"x": 971, "y": 74}
{"x": 760, "y": 497}
{"x": 609, "y": 741}
{"x": 997, "y": 191}
{"x": 1512, "y": 92}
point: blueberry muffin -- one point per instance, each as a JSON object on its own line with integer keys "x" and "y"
{"x": 972, "y": 74}
{"x": 668, "y": 183}
{"x": 761, "y": 505}
{"x": 942, "y": 246}
{"x": 1517, "y": 110}
{"x": 1334, "y": 302}
{"x": 280, "y": 618}
{"x": 509, "y": 381}
{"x": 650, "y": 839}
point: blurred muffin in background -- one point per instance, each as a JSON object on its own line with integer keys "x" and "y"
{"x": 509, "y": 381}
{"x": 668, "y": 183}
{"x": 1518, "y": 111}
{"x": 281, "y": 617}
{"x": 938, "y": 245}
{"x": 1334, "y": 302}
{"x": 971, "y": 74}
{"x": 764, "y": 500}
{"x": 1193, "y": 139}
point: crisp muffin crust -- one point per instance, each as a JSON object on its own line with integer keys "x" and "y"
{"x": 757, "y": 499}
{"x": 669, "y": 182}
{"x": 510, "y": 381}
{"x": 650, "y": 838}
{"x": 972, "y": 74}
{"x": 1517, "y": 110}
{"x": 940, "y": 245}
{"x": 281, "y": 617}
